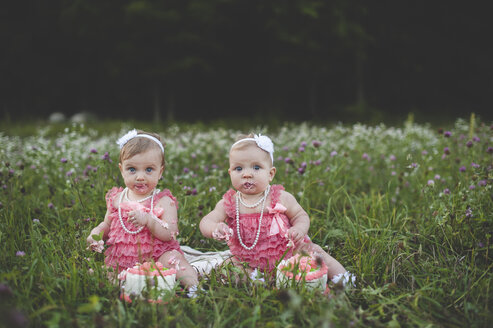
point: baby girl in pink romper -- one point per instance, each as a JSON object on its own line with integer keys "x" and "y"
{"x": 262, "y": 223}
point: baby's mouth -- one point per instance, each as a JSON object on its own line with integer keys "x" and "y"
{"x": 248, "y": 185}
{"x": 140, "y": 187}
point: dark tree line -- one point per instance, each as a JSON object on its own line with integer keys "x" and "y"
{"x": 199, "y": 59}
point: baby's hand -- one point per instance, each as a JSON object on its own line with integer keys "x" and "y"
{"x": 295, "y": 235}
{"x": 138, "y": 218}
{"x": 97, "y": 246}
{"x": 222, "y": 232}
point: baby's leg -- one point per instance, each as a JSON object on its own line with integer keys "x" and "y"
{"x": 334, "y": 267}
{"x": 186, "y": 274}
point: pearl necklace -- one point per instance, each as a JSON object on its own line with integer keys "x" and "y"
{"x": 258, "y": 202}
{"x": 238, "y": 195}
{"x": 124, "y": 193}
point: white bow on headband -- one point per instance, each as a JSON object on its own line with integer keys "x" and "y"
{"x": 263, "y": 142}
{"x": 134, "y": 134}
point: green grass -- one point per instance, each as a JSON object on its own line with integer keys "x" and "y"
{"x": 412, "y": 223}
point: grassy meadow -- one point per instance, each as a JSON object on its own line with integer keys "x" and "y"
{"x": 408, "y": 210}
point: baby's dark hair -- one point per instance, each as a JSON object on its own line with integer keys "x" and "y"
{"x": 139, "y": 145}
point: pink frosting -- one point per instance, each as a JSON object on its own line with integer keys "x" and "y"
{"x": 148, "y": 269}
{"x": 305, "y": 264}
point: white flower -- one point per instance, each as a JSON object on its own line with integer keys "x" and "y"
{"x": 123, "y": 140}
{"x": 266, "y": 144}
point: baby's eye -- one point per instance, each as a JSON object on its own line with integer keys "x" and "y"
{"x": 149, "y": 170}
{"x": 238, "y": 168}
{"x": 256, "y": 167}
{"x": 131, "y": 169}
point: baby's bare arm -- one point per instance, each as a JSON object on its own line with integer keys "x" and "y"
{"x": 299, "y": 219}
{"x": 212, "y": 221}
{"x": 103, "y": 227}
{"x": 164, "y": 227}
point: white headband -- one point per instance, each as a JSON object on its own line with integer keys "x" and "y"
{"x": 263, "y": 142}
{"x": 133, "y": 134}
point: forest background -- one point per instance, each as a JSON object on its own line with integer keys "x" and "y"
{"x": 198, "y": 60}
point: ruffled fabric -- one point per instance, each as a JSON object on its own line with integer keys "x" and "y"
{"x": 271, "y": 247}
{"x": 125, "y": 249}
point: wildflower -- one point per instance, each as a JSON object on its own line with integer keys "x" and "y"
{"x": 462, "y": 169}
{"x": 366, "y": 156}
{"x": 303, "y": 144}
{"x": 69, "y": 173}
{"x": 476, "y": 139}
{"x": 280, "y": 158}
{"x": 211, "y": 189}
{"x": 63, "y": 160}
{"x": 468, "y": 213}
{"x": 333, "y": 153}
{"x": 482, "y": 183}
{"x": 11, "y": 172}
{"x": 489, "y": 150}
{"x": 285, "y": 148}
{"x": 214, "y": 166}
{"x": 288, "y": 160}
{"x": 393, "y": 173}
{"x": 301, "y": 149}
{"x": 194, "y": 191}
{"x": 392, "y": 157}
{"x": 472, "y": 187}
{"x": 33, "y": 167}
{"x": 440, "y": 130}
{"x": 424, "y": 152}
{"x": 446, "y": 150}
{"x": 5, "y": 290}
{"x": 301, "y": 170}
{"x": 327, "y": 169}
{"x": 474, "y": 165}
{"x": 90, "y": 271}
{"x": 186, "y": 170}
{"x": 93, "y": 151}
{"x": 20, "y": 253}
{"x": 193, "y": 155}
{"x": 316, "y": 143}
{"x": 447, "y": 134}
{"x": 431, "y": 183}
{"x": 414, "y": 165}
{"x": 469, "y": 144}
{"x": 437, "y": 177}
{"x": 480, "y": 244}
{"x": 317, "y": 162}
{"x": 35, "y": 220}
{"x": 446, "y": 191}
{"x": 106, "y": 157}
{"x": 51, "y": 206}
{"x": 303, "y": 164}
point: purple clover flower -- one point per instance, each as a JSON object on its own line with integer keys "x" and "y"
{"x": 472, "y": 187}
{"x": 288, "y": 160}
{"x": 301, "y": 170}
{"x": 392, "y": 157}
{"x": 20, "y": 253}
{"x": 462, "y": 169}
{"x": 301, "y": 149}
{"x": 333, "y": 153}
{"x": 303, "y": 144}
{"x": 365, "y": 156}
{"x": 474, "y": 165}
{"x": 186, "y": 170}
{"x": 106, "y": 157}
{"x": 447, "y": 134}
{"x": 489, "y": 150}
{"x": 317, "y": 162}
{"x": 437, "y": 177}
{"x": 431, "y": 183}
{"x": 446, "y": 150}
{"x": 93, "y": 151}
{"x": 424, "y": 152}
{"x": 476, "y": 139}
{"x": 63, "y": 160}
{"x": 469, "y": 144}
{"x": 51, "y": 206}
{"x": 446, "y": 191}
{"x": 316, "y": 143}
{"x": 483, "y": 183}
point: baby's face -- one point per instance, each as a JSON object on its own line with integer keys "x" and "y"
{"x": 141, "y": 172}
{"x": 250, "y": 169}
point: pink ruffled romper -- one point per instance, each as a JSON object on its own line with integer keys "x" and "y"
{"x": 127, "y": 249}
{"x": 272, "y": 243}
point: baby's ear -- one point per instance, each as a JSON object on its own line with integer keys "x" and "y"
{"x": 272, "y": 173}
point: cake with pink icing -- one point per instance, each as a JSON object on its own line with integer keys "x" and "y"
{"x": 154, "y": 278}
{"x": 302, "y": 268}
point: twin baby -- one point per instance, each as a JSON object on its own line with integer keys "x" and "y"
{"x": 260, "y": 222}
